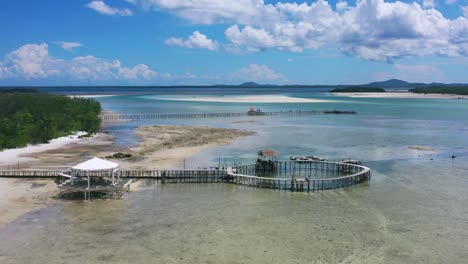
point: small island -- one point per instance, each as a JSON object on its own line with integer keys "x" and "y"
{"x": 458, "y": 90}
{"x": 358, "y": 89}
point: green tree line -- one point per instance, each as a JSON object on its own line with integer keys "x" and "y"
{"x": 461, "y": 90}
{"x": 38, "y": 117}
{"x": 358, "y": 89}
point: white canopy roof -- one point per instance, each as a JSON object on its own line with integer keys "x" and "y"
{"x": 96, "y": 164}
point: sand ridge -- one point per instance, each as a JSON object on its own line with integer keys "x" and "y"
{"x": 245, "y": 99}
{"x": 164, "y": 147}
{"x": 401, "y": 94}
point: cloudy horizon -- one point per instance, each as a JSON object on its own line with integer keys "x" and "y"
{"x": 159, "y": 42}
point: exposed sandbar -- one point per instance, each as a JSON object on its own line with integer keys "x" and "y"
{"x": 245, "y": 99}
{"x": 164, "y": 147}
{"x": 422, "y": 148}
{"x": 401, "y": 94}
{"x": 244, "y": 122}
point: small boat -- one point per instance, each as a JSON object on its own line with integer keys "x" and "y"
{"x": 306, "y": 159}
{"x": 315, "y": 158}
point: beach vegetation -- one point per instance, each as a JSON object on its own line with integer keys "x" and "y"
{"x": 358, "y": 89}
{"x": 32, "y": 118}
{"x": 460, "y": 90}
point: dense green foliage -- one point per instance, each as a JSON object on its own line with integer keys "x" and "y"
{"x": 462, "y": 90}
{"x": 358, "y": 89}
{"x": 36, "y": 117}
{"x": 18, "y": 90}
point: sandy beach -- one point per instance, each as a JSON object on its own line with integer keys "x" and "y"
{"x": 244, "y": 99}
{"x": 162, "y": 147}
{"x": 401, "y": 94}
{"x": 20, "y": 158}
{"x": 92, "y": 95}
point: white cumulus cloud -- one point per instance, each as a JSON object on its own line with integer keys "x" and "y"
{"x": 196, "y": 40}
{"x": 32, "y": 61}
{"x": 465, "y": 11}
{"x": 210, "y": 11}
{"x": 369, "y": 29}
{"x": 69, "y": 46}
{"x": 103, "y": 8}
{"x": 428, "y": 3}
{"x": 341, "y": 5}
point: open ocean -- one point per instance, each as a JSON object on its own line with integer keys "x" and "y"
{"x": 414, "y": 209}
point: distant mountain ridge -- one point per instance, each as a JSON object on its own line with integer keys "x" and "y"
{"x": 251, "y": 84}
{"x": 396, "y": 83}
{"x": 392, "y": 83}
{"x": 388, "y": 84}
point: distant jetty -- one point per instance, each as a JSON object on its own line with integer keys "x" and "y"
{"x": 255, "y": 112}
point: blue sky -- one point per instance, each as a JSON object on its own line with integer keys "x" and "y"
{"x": 165, "y": 42}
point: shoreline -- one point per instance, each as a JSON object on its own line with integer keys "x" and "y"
{"x": 162, "y": 147}
{"x": 243, "y": 99}
{"x": 91, "y": 95}
{"x": 401, "y": 94}
{"x": 15, "y": 157}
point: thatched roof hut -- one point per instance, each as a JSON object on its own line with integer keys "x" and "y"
{"x": 267, "y": 153}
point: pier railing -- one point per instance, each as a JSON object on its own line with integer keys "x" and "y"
{"x": 289, "y": 175}
{"x": 123, "y": 116}
{"x": 166, "y": 176}
{"x": 301, "y": 175}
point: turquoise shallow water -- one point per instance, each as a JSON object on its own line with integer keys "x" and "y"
{"x": 412, "y": 211}
{"x": 382, "y": 130}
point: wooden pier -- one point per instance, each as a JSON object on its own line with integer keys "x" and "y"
{"x": 143, "y": 116}
{"x": 166, "y": 176}
{"x": 287, "y": 175}
{"x": 301, "y": 175}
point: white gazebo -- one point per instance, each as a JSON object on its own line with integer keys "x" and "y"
{"x": 102, "y": 173}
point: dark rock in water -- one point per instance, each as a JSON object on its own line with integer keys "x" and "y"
{"x": 119, "y": 155}
{"x": 38, "y": 185}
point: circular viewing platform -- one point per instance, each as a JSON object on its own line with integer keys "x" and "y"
{"x": 299, "y": 175}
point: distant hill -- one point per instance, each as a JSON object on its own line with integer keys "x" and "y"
{"x": 395, "y": 83}
{"x": 250, "y": 84}
{"x": 392, "y": 83}
{"x": 389, "y": 84}
{"x": 358, "y": 89}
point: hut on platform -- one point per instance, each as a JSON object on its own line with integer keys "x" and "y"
{"x": 267, "y": 154}
{"x": 95, "y": 176}
{"x": 266, "y": 161}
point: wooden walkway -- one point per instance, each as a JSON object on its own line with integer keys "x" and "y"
{"x": 300, "y": 175}
{"x": 166, "y": 176}
{"x": 215, "y": 115}
{"x": 296, "y": 176}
